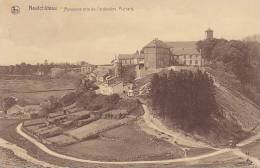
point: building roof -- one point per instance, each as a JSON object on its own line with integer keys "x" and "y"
{"x": 101, "y": 71}
{"x": 127, "y": 56}
{"x": 183, "y": 47}
{"x": 15, "y": 109}
{"x": 209, "y": 30}
{"x": 156, "y": 43}
{"x": 130, "y": 56}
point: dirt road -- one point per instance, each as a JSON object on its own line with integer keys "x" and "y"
{"x": 179, "y": 138}
{"x": 55, "y": 154}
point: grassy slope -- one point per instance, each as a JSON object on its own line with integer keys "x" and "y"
{"x": 127, "y": 142}
{"x": 238, "y": 111}
{"x": 10, "y": 87}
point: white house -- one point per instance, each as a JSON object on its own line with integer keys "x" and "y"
{"x": 108, "y": 89}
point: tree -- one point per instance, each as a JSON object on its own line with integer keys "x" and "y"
{"x": 238, "y": 57}
{"x": 186, "y": 98}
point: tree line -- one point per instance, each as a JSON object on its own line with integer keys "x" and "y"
{"x": 185, "y": 97}
{"x": 238, "y": 57}
{"x": 31, "y": 69}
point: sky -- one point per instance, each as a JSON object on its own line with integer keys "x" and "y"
{"x": 97, "y": 36}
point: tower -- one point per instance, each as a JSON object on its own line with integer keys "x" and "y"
{"x": 209, "y": 34}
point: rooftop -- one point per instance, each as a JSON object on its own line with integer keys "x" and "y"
{"x": 156, "y": 43}
{"x": 183, "y": 47}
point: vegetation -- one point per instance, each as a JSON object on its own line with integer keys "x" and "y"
{"x": 8, "y": 102}
{"x": 185, "y": 97}
{"x": 238, "y": 57}
{"x": 41, "y": 69}
{"x": 92, "y": 101}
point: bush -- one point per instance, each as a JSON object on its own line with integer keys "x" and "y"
{"x": 92, "y": 101}
{"x": 69, "y": 98}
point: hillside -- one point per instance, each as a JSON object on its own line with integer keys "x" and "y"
{"x": 236, "y": 107}
{"x": 238, "y": 117}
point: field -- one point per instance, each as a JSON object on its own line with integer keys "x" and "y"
{"x": 17, "y": 87}
{"x": 127, "y": 142}
{"x": 95, "y": 127}
{"x": 7, "y": 128}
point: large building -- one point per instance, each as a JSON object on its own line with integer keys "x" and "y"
{"x": 159, "y": 54}
{"x": 186, "y": 53}
{"x": 131, "y": 59}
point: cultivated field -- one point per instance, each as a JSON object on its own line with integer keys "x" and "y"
{"x": 17, "y": 87}
{"x": 96, "y": 127}
{"x": 127, "y": 142}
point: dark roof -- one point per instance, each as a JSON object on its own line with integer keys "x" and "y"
{"x": 156, "y": 43}
{"x": 209, "y": 29}
{"x": 183, "y": 47}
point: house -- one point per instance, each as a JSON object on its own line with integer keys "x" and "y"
{"x": 112, "y": 88}
{"x": 101, "y": 76}
{"x": 130, "y": 59}
{"x": 15, "y": 109}
{"x": 100, "y": 73}
{"x": 56, "y": 72}
{"x": 39, "y": 73}
{"x": 87, "y": 68}
{"x": 130, "y": 93}
{"x": 186, "y": 53}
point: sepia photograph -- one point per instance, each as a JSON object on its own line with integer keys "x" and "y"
{"x": 130, "y": 84}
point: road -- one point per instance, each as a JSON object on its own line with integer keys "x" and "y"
{"x": 147, "y": 118}
{"x": 184, "y": 140}
{"x": 179, "y": 138}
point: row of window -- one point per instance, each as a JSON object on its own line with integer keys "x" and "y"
{"x": 130, "y": 61}
{"x": 187, "y": 56}
{"x": 195, "y": 62}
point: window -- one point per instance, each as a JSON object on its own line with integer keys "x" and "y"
{"x": 184, "y": 56}
{"x": 184, "y": 62}
{"x": 196, "y": 62}
{"x": 190, "y": 56}
{"x": 190, "y": 62}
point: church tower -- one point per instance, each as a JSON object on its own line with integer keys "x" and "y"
{"x": 209, "y": 34}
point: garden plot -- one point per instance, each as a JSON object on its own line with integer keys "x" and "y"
{"x": 61, "y": 140}
{"x": 96, "y": 127}
{"x": 124, "y": 143}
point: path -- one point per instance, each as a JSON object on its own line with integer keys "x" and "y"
{"x": 179, "y": 138}
{"x": 61, "y": 156}
{"x": 254, "y": 160}
{"x": 249, "y": 140}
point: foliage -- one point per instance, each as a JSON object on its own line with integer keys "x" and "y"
{"x": 69, "y": 98}
{"x": 8, "y": 102}
{"x": 185, "y": 97}
{"x": 92, "y": 101}
{"x": 128, "y": 73}
{"x": 50, "y": 105}
{"x": 86, "y": 85}
{"x": 42, "y": 69}
{"x": 238, "y": 57}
